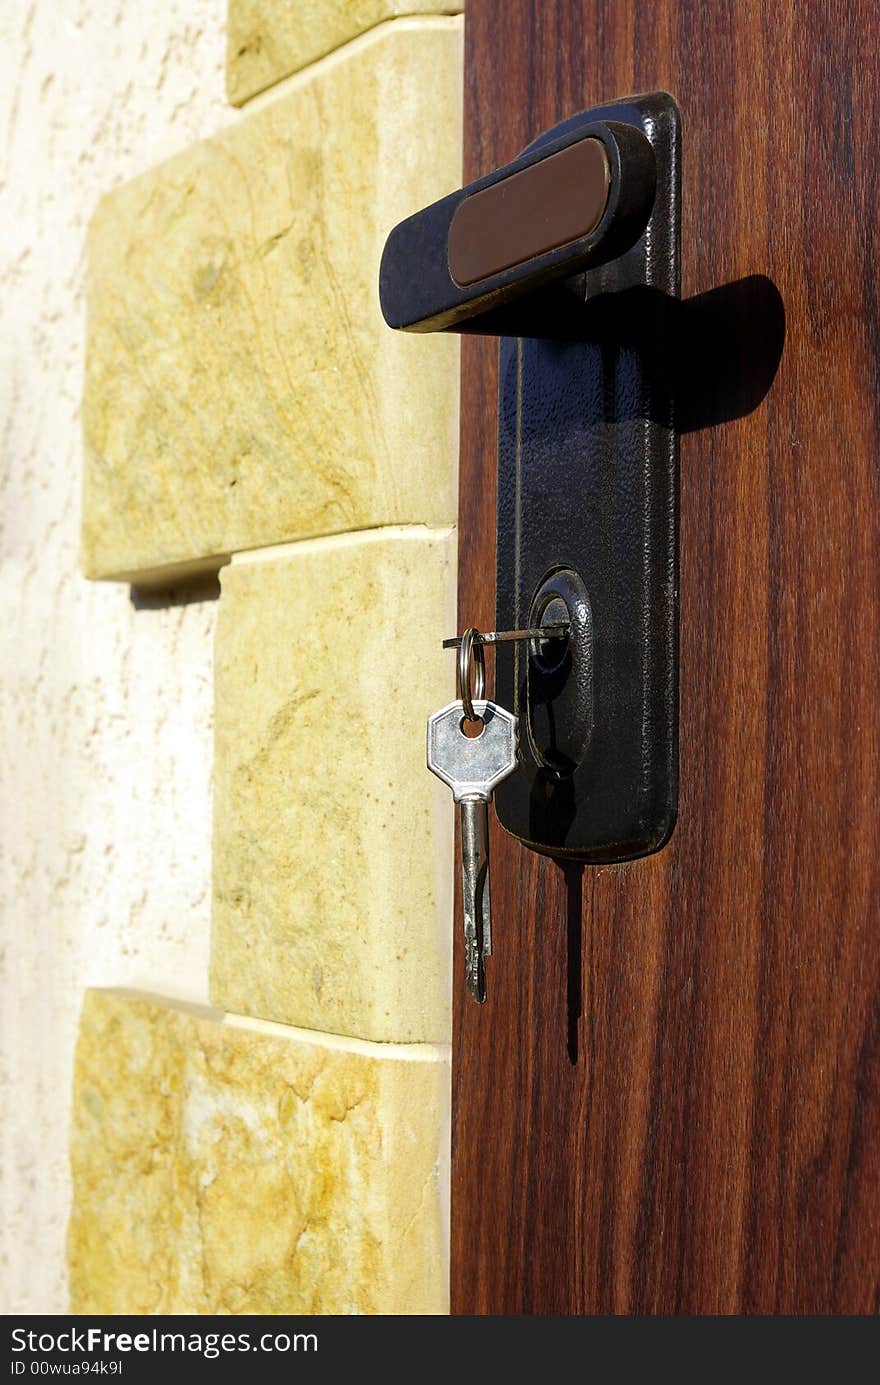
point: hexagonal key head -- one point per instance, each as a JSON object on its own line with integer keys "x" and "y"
{"x": 472, "y": 765}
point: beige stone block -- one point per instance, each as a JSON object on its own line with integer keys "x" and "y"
{"x": 332, "y": 843}
{"x": 242, "y": 388}
{"x": 269, "y": 39}
{"x": 219, "y": 1168}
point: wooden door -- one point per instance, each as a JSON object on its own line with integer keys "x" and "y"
{"x": 671, "y": 1101}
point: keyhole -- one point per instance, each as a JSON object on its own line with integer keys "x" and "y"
{"x": 549, "y": 653}
{"x": 559, "y": 675}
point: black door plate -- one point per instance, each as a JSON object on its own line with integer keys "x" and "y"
{"x": 588, "y": 513}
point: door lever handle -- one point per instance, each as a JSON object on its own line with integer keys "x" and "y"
{"x": 561, "y": 207}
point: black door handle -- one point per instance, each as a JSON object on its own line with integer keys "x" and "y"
{"x": 561, "y": 207}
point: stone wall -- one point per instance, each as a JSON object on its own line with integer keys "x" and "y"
{"x": 244, "y": 411}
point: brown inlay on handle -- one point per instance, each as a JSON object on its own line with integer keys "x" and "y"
{"x": 545, "y": 206}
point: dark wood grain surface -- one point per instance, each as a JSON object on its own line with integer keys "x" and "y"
{"x": 671, "y": 1101}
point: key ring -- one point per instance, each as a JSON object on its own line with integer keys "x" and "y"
{"x": 471, "y": 664}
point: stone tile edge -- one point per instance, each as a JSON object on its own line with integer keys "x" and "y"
{"x": 340, "y": 1043}
{"x": 167, "y": 575}
{"x": 447, "y": 20}
{"x": 349, "y": 538}
{"x": 417, "y": 17}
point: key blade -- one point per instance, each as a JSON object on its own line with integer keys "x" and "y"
{"x": 537, "y": 632}
{"x": 475, "y": 892}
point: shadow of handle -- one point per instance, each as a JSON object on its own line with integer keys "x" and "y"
{"x": 710, "y": 358}
{"x": 727, "y": 345}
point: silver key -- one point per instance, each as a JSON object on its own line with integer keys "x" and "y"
{"x": 473, "y": 766}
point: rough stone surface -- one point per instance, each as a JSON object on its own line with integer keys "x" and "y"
{"x": 332, "y": 843}
{"x": 219, "y": 1169}
{"x": 269, "y": 39}
{"x": 105, "y": 706}
{"x": 242, "y": 388}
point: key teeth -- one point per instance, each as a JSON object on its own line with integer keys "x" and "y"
{"x": 477, "y": 984}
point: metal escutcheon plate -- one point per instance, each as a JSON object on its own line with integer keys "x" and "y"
{"x": 588, "y": 504}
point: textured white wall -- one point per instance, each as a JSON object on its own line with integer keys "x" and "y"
{"x": 105, "y": 733}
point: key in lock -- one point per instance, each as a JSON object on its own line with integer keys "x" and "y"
{"x": 472, "y": 766}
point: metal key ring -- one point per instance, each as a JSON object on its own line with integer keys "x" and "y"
{"x": 471, "y": 659}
